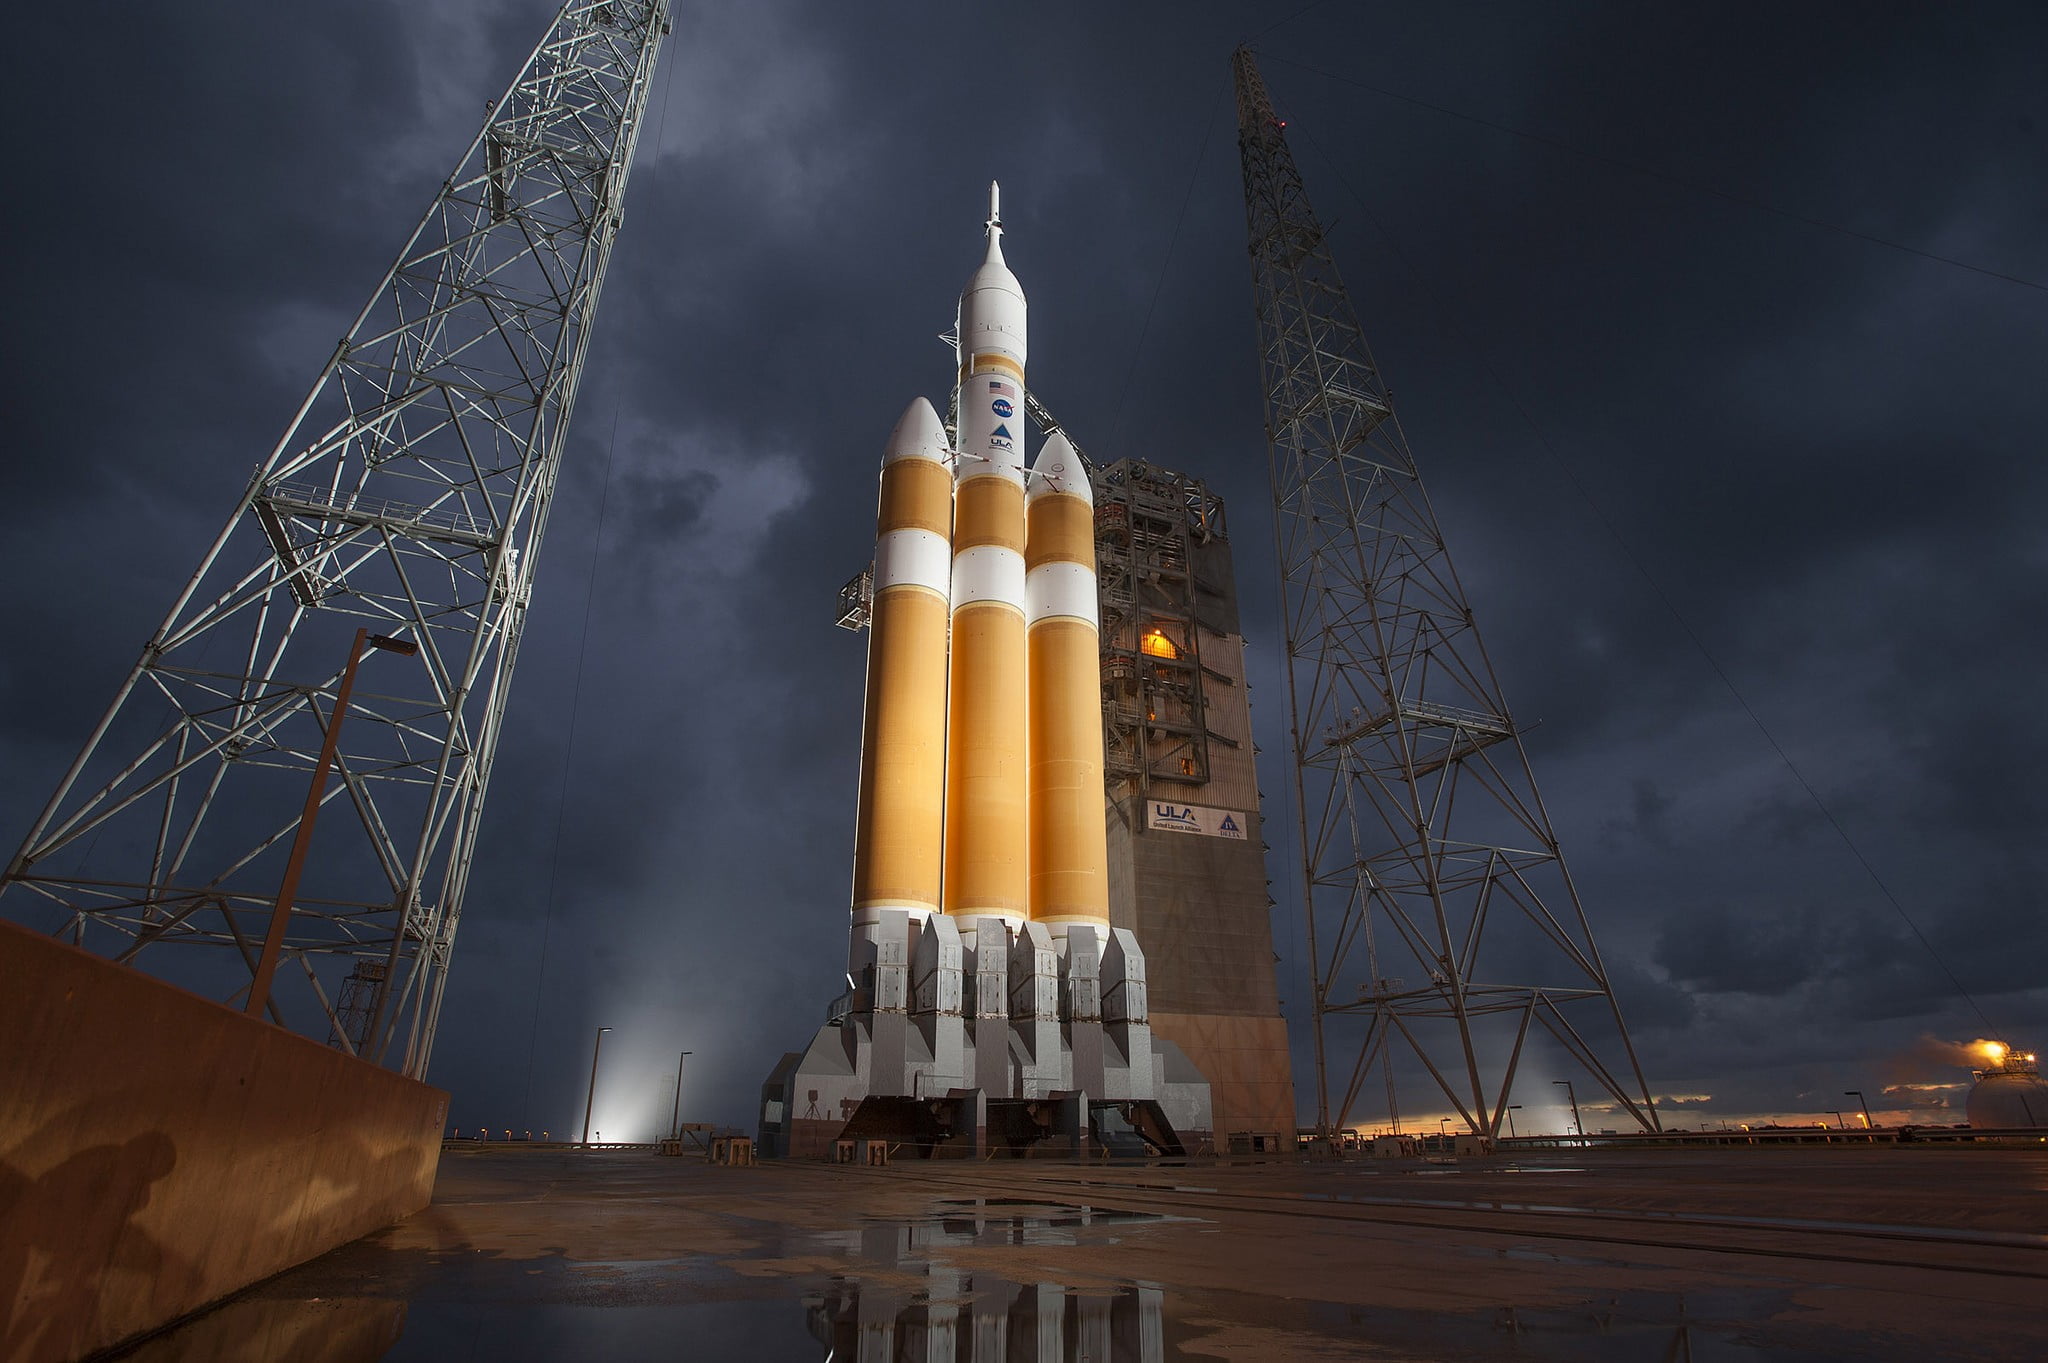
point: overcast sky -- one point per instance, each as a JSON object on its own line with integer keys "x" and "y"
{"x": 1692, "y": 434}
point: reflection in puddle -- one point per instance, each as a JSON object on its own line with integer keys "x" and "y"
{"x": 961, "y": 1222}
{"x": 921, "y": 1308}
{"x": 988, "y": 1320}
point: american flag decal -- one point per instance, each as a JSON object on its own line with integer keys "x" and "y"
{"x": 998, "y": 386}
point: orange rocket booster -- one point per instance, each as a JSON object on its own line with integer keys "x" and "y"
{"x": 1069, "y": 852}
{"x": 899, "y": 827}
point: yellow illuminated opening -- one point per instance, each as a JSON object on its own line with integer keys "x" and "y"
{"x": 1155, "y": 644}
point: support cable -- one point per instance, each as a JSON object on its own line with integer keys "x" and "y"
{"x": 1159, "y": 285}
{"x": 1390, "y": 692}
{"x": 568, "y": 756}
{"x": 576, "y": 691}
{"x": 1666, "y": 177}
{"x": 1282, "y": 23}
{"x": 1663, "y": 597}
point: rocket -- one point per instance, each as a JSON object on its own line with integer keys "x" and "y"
{"x": 984, "y": 978}
{"x": 981, "y": 755}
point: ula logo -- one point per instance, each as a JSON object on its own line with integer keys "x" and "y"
{"x": 1175, "y": 814}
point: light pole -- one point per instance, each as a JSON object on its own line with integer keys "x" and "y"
{"x": 591, "y": 1097}
{"x": 288, "y": 889}
{"x": 1838, "y": 1119}
{"x": 1443, "y": 1134}
{"x": 1513, "y": 1108}
{"x": 1857, "y": 1094}
{"x": 675, "y": 1126}
{"x": 1578, "y": 1125}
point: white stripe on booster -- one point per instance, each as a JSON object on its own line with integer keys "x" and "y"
{"x": 913, "y": 557}
{"x": 988, "y": 572}
{"x": 1061, "y": 589}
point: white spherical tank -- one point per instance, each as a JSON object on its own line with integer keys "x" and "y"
{"x": 2009, "y": 1093}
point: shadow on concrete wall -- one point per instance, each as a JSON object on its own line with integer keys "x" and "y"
{"x": 159, "y": 1152}
{"x": 75, "y": 1241}
{"x": 71, "y": 1227}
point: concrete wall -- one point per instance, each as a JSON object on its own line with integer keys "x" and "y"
{"x": 1199, "y": 905}
{"x": 1245, "y": 1061}
{"x": 159, "y": 1151}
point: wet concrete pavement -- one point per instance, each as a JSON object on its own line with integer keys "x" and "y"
{"x": 1780, "y": 1255}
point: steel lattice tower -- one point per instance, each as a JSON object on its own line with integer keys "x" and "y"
{"x": 407, "y": 498}
{"x": 1423, "y": 836}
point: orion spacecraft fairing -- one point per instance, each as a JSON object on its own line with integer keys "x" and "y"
{"x": 990, "y": 1003}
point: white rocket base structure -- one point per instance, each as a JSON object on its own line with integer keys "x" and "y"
{"x": 991, "y": 1006}
{"x": 1005, "y": 1040}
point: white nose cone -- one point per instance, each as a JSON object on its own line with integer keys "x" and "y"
{"x": 992, "y": 307}
{"x": 919, "y": 434}
{"x": 1057, "y": 470}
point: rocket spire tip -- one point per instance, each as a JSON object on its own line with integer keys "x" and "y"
{"x": 995, "y": 223}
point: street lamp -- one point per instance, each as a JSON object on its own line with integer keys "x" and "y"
{"x": 591, "y": 1097}
{"x": 1576, "y": 1123}
{"x": 1857, "y": 1094}
{"x": 1513, "y": 1108}
{"x": 288, "y": 889}
{"x": 675, "y": 1126}
{"x": 1838, "y": 1119}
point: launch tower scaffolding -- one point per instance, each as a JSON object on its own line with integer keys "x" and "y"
{"x": 406, "y": 498}
{"x": 1147, "y": 524}
{"x": 1423, "y": 836}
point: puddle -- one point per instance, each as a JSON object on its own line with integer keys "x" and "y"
{"x": 929, "y": 1288}
{"x": 964, "y": 1221}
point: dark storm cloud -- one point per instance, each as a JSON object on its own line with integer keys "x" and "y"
{"x": 1821, "y": 453}
{"x": 1754, "y": 954}
{"x": 1648, "y": 820}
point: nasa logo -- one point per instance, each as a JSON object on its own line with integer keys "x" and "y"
{"x": 1002, "y": 408}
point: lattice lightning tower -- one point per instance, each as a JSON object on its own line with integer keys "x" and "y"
{"x": 1423, "y": 837}
{"x": 405, "y": 503}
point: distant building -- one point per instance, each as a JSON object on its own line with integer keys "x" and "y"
{"x": 1187, "y": 868}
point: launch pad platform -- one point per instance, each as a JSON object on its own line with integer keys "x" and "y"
{"x": 1758, "y": 1254}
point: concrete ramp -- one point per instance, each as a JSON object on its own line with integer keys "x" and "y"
{"x": 159, "y": 1151}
